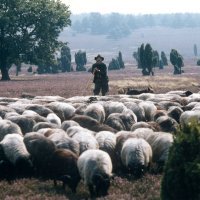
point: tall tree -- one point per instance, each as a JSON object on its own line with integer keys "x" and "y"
{"x": 120, "y": 60}
{"x": 65, "y": 58}
{"x": 177, "y": 61}
{"x": 30, "y": 28}
{"x": 164, "y": 58}
{"x": 195, "y": 50}
{"x": 81, "y": 60}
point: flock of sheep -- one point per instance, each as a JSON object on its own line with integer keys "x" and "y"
{"x": 90, "y": 138}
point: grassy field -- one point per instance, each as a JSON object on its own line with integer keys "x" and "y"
{"x": 76, "y": 83}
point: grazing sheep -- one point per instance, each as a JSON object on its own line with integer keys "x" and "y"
{"x": 76, "y": 129}
{"x": 167, "y": 124}
{"x": 107, "y": 143}
{"x": 26, "y": 124}
{"x": 41, "y": 125}
{"x": 175, "y": 112}
{"x": 91, "y": 124}
{"x": 149, "y": 109}
{"x": 7, "y": 127}
{"x": 165, "y": 105}
{"x": 137, "y": 110}
{"x": 63, "y": 110}
{"x": 53, "y": 163}
{"x": 41, "y": 149}
{"x": 33, "y": 115}
{"x": 40, "y": 109}
{"x": 140, "y": 125}
{"x": 62, "y": 140}
{"x": 95, "y": 168}
{"x": 67, "y": 124}
{"x": 63, "y": 167}
{"x": 81, "y": 109}
{"x": 188, "y": 117}
{"x": 158, "y": 114}
{"x": 115, "y": 122}
{"x": 66, "y": 143}
{"x": 160, "y": 143}
{"x": 4, "y": 110}
{"x": 114, "y": 107}
{"x": 136, "y": 155}
{"x": 96, "y": 111}
{"x": 16, "y": 153}
{"x": 122, "y": 121}
{"x": 54, "y": 119}
{"x": 86, "y": 141}
{"x": 11, "y": 114}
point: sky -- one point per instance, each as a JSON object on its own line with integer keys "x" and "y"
{"x": 133, "y": 6}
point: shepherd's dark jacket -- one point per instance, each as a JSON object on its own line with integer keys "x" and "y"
{"x": 102, "y": 74}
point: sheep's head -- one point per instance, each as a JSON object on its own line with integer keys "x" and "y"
{"x": 102, "y": 184}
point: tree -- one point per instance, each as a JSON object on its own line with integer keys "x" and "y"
{"x": 155, "y": 59}
{"x": 81, "y": 60}
{"x": 114, "y": 64}
{"x": 195, "y": 50}
{"x": 65, "y": 58}
{"x": 164, "y": 58}
{"x": 146, "y": 58}
{"x": 120, "y": 60}
{"x": 30, "y": 28}
{"x": 177, "y": 61}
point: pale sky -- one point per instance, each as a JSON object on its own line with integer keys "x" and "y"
{"x": 133, "y": 6}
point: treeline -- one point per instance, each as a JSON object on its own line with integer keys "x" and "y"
{"x": 117, "y": 25}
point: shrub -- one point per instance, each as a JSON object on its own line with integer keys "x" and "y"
{"x": 181, "y": 178}
{"x": 114, "y": 65}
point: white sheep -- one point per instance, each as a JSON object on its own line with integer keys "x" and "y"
{"x": 107, "y": 143}
{"x": 188, "y": 117}
{"x": 63, "y": 141}
{"x": 16, "y": 153}
{"x": 137, "y": 110}
{"x": 122, "y": 121}
{"x": 26, "y": 124}
{"x": 53, "y": 118}
{"x": 7, "y": 127}
{"x": 113, "y": 107}
{"x": 96, "y": 111}
{"x": 149, "y": 109}
{"x": 86, "y": 141}
{"x": 136, "y": 155}
{"x": 95, "y": 168}
{"x": 160, "y": 143}
{"x": 67, "y": 124}
{"x": 63, "y": 110}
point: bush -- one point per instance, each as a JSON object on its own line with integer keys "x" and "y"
{"x": 114, "y": 65}
{"x": 181, "y": 178}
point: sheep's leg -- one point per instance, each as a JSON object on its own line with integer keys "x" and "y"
{"x": 91, "y": 189}
{"x": 55, "y": 182}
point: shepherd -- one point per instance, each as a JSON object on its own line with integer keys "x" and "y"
{"x": 99, "y": 70}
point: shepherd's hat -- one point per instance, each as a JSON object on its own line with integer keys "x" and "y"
{"x": 99, "y": 56}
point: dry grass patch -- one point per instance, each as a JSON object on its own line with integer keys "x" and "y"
{"x": 158, "y": 83}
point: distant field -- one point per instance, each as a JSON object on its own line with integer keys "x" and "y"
{"x": 80, "y": 83}
{"x": 161, "y": 39}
